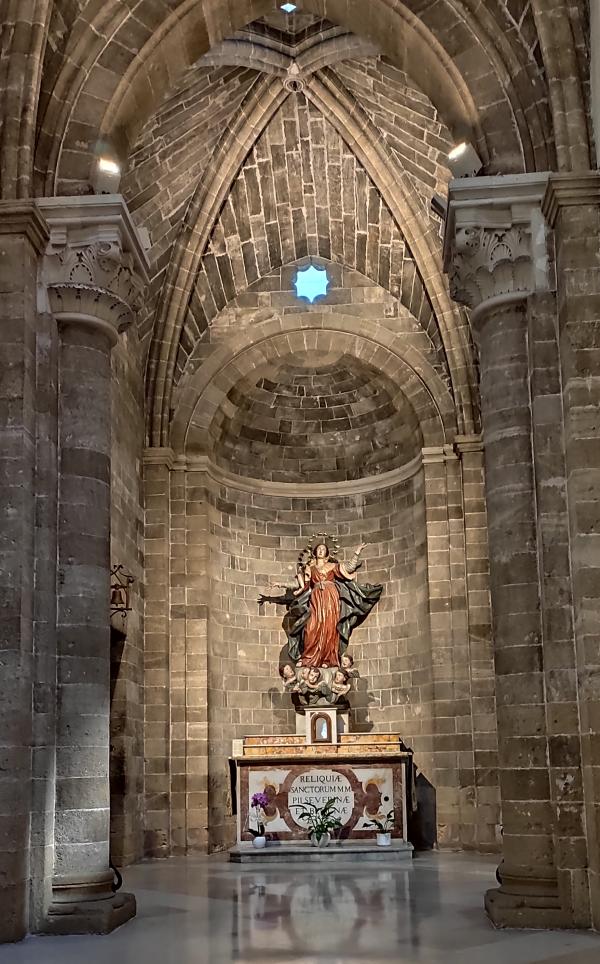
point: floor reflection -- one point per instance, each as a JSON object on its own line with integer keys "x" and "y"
{"x": 325, "y": 911}
{"x": 204, "y": 910}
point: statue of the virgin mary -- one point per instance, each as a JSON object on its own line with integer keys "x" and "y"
{"x": 327, "y": 604}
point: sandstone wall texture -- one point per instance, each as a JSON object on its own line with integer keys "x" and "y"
{"x": 578, "y": 303}
{"x": 302, "y": 193}
{"x": 212, "y": 664}
{"x": 256, "y": 538}
{"x": 202, "y": 447}
{"x": 18, "y": 313}
{"x": 127, "y": 653}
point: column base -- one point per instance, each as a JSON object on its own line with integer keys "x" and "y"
{"x": 528, "y": 910}
{"x": 90, "y": 917}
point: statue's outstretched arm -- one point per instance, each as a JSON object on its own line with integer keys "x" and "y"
{"x": 348, "y": 569}
{"x": 297, "y": 586}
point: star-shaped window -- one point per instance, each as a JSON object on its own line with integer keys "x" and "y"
{"x": 311, "y": 283}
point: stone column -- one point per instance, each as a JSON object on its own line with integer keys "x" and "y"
{"x": 158, "y": 463}
{"x": 496, "y": 255}
{"x": 452, "y": 746}
{"x": 595, "y": 71}
{"x": 554, "y": 566}
{"x": 572, "y": 207}
{"x": 196, "y": 654}
{"x": 481, "y": 655}
{"x": 23, "y": 237}
{"x": 91, "y": 274}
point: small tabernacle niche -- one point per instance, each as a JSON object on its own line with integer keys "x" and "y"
{"x": 320, "y": 728}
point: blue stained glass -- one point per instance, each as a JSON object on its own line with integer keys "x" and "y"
{"x": 311, "y": 283}
{"x": 288, "y": 7}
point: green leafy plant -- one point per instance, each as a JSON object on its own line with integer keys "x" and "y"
{"x": 320, "y": 820}
{"x": 385, "y": 825}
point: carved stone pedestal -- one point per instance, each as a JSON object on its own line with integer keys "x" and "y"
{"x": 515, "y": 904}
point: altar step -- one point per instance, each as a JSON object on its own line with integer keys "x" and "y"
{"x": 302, "y": 851}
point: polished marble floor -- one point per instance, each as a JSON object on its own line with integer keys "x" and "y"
{"x": 203, "y": 909}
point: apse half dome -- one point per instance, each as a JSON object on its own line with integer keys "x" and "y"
{"x": 311, "y": 283}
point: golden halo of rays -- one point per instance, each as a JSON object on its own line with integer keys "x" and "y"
{"x": 320, "y": 538}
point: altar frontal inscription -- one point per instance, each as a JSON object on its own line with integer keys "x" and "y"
{"x": 317, "y": 787}
{"x": 362, "y": 792}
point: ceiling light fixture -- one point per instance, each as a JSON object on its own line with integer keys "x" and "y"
{"x": 105, "y": 175}
{"x": 289, "y": 7}
{"x": 464, "y": 161}
{"x": 108, "y": 167}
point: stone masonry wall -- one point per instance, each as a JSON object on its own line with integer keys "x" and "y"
{"x": 18, "y": 692}
{"x": 308, "y": 423}
{"x": 255, "y": 538}
{"x": 302, "y": 193}
{"x": 127, "y": 653}
{"x": 577, "y": 233}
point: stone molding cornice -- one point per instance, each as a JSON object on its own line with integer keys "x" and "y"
{"x": 159, "y": 456}
{"x": 319, "y": 490}
{"x": 94, "y": 264}
{"x": 495, "y": 243}
{"x": 468, "y": 445}
{"x": 570, "y": 190}
{"x": 23, "y": 218}
{"x": 436, "y": 454}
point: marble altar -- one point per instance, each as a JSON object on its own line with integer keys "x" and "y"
{"x": 366, "y": 773}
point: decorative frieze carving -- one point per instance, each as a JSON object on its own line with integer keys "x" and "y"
{"x": 496, "y": 240}
{"x": 95, "y": 266}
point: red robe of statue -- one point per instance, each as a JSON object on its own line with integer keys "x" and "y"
{"x": 321, "y": 637}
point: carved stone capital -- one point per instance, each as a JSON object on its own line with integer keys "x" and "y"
{"x": 95, "y": 268}
{"x": 496, "y": 241}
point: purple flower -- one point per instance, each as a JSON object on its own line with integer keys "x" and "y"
{"x": 260, "y": 800}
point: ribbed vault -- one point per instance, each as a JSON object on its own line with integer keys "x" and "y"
{"x": 79, "y": 70}
{"x": 400, "y": 192}
{"x": 473, "y": 62}
{"x": 302, "y": 192}
{"x": 190, "y": 92}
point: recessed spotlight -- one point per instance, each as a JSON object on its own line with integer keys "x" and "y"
{"x": 289, "y": 7}
{"x": 457, "y": 151}
{"x": 105, "y": 176}
{"x": 464, "y": 161}
{"x": 108, "y": 166}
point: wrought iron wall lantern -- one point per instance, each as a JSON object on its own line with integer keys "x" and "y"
{"x": 121, "y": 582}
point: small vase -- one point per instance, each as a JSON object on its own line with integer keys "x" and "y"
{"x": 259, "y": 843}
{"x": 384, "y": 839}
{"x": 320, "y": 840}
